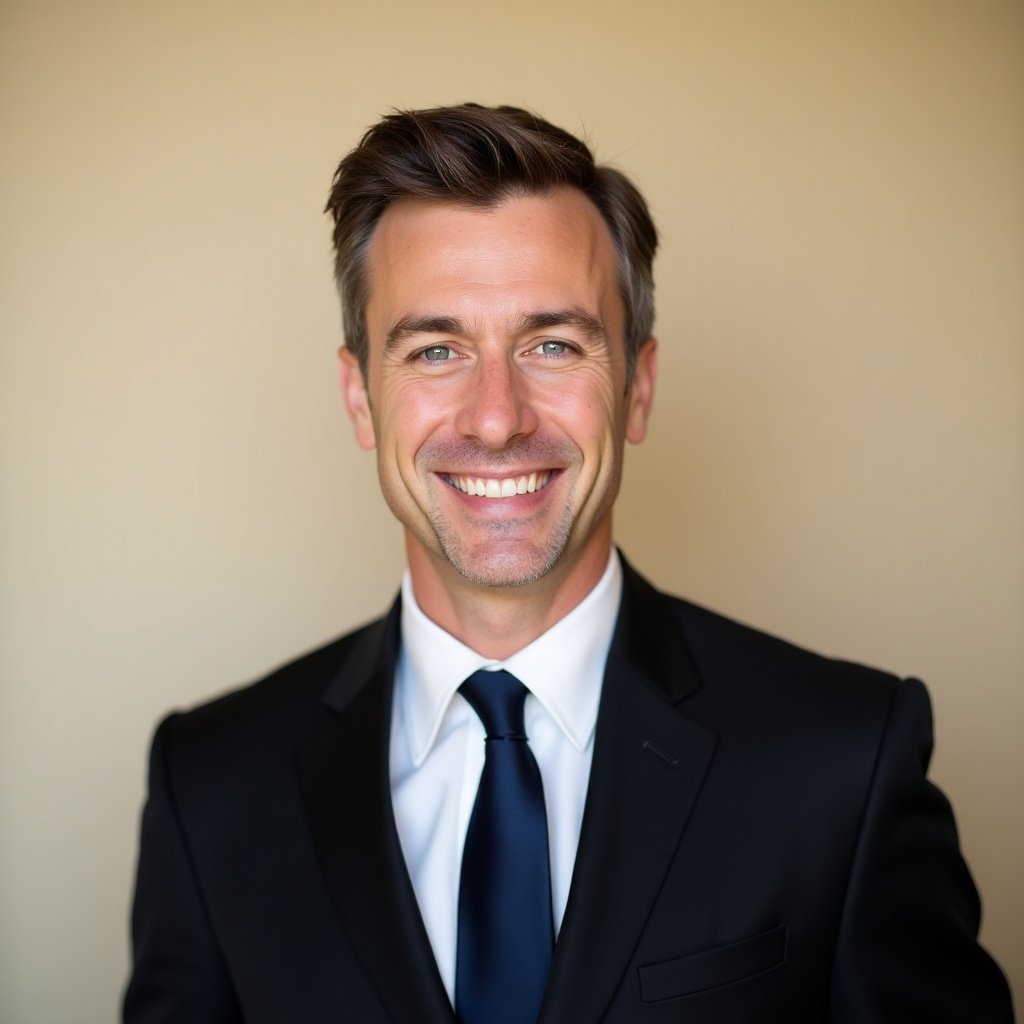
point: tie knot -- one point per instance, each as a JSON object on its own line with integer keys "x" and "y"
{"x": 498, "y": 699}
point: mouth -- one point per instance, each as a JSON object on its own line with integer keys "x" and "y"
{"x": 501, "y": 487}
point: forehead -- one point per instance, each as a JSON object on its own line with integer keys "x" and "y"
{"x": 551, "y": 250}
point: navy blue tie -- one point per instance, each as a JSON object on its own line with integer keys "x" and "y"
{"x": 506, "y": 933}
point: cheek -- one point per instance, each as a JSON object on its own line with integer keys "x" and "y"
{"x": 412, "y": 415}
{"x": 589, "y": 415}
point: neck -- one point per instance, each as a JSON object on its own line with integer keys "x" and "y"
{"x": 499, "y": 621}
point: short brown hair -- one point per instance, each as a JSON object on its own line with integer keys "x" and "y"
{"x": 480, "y": 156}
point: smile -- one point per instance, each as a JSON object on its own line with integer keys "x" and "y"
{"x": 492, "y": 487}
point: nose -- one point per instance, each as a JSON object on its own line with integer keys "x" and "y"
{"x": 496, "y": 407}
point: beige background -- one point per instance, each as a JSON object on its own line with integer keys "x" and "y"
{"x": 838, "y": 446}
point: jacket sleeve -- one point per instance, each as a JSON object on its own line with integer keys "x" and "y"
{"x": 907, "y": 948}
{"x": 178, "y": 974}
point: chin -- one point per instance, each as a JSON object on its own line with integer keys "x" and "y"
{"x": 497, "y": 565}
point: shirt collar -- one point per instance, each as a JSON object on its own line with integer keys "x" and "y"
{"x": 563, "y": 668}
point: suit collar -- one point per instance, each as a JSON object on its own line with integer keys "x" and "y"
{"x": 649, "y": 639}
{"x": 375, "y": 652}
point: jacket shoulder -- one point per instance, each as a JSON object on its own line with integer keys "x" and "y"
{"x": 730, "y": 672}
{"x": 716, "y": 639}
{"x": 282, "y": 705}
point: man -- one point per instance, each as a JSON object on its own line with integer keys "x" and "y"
{"x": 681, "y": 820}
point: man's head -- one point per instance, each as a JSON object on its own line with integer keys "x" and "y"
{"x": 479, "y": 156}
{"x": 497, "y": 294}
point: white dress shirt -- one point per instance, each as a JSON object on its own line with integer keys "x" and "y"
{"x": 437, "y": 748}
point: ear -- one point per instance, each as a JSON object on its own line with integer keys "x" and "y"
{"x": 640, "y": 398}
{"x": 357, "y": 401}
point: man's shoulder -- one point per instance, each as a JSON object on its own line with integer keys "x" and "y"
{"x": 287, "y": 701}
{"x": 793, "y": 705}
{"x": 738, "y": 661}
{"x": 746, "y": 648}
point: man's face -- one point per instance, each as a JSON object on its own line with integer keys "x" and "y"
{"x": 496, "y": 383}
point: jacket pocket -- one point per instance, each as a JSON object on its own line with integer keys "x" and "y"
{"x": 712, "y": 968}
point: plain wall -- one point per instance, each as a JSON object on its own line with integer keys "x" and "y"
{"x": 837, "y": 453}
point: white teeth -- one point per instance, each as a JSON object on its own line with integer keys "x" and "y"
{"x": 493, "y": 487}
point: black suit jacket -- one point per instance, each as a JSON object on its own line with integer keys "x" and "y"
{"x": 759, "y": 843}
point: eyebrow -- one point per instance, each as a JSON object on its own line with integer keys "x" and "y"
{"x": 572, "y": 316}
{"x": 426, "y": 324}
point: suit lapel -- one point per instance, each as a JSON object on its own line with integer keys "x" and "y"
{"x": 344, "y": 778}
{"x": 649, "y": 764}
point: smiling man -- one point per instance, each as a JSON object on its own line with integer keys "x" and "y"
{"x": 538, "y": 789}
{"x": 494, "y": 388}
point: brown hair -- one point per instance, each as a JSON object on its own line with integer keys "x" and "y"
{"x": 480, "y": 156}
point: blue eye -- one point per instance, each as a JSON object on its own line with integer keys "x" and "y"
{"x": 436, "y": 353}
{"x": 552, "y": 348}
